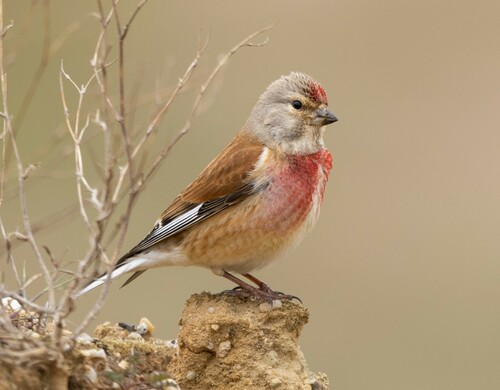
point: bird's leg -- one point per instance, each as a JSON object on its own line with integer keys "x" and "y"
{"x": 270, "y": 292}
{"x": 245, "y": 286}
{"x": 251, "y": 290}
{"x": 263, "y": 292}
{"x": 262, "y": 286}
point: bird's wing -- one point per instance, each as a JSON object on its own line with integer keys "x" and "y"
{"x": 222, "y": 183}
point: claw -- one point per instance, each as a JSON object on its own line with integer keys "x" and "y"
{"x": 263, "y": 291}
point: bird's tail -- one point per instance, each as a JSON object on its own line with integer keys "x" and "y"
{"x": 120, "y": 269}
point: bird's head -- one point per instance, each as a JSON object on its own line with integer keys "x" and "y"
{"x": 291, "y": 114}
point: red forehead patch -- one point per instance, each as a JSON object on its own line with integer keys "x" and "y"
{"x": 318, "y": 93}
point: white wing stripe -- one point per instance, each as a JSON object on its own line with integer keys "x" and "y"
{"x": 176, "y": 225}
{"x": 198, "y": 213}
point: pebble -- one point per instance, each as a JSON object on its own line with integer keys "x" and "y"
{"x": 266, "y": 306}
{"x": 142, "y": 329}
{"x": 12, "y": 303}
{"x": 33, "y": 334}
{"x": 134, "y": 336}
{"x": 224, "y": 348}
{"x": 311, "y": 380}
{"x": 275, "y": 382}
{"x": 94, "y": 353}
{"x": 84, "y": 338}
{"x": 273, "y": 358}
{"x": 191, "y": 375}
{"x": 123, "y": 364}
{"x": 211, "y": 310}
{"x": 145, "y": 326}
{"x": 66, "y": 346}
{"x": 277, "y": 304}
{"x": 171, "y": 385}
{"x": 91, "y": 375}
{"x": 215, "y": 327}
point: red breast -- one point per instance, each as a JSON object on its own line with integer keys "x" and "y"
{"x": 296, "y": 189}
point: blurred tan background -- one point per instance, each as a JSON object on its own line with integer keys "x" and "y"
{"x": 402, "y": 273}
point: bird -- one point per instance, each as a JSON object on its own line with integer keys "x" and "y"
{"x": 254, "y": 202}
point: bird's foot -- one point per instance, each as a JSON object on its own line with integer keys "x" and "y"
{"x": 263, "y": 291}
{"x": 268, "y": 291}
{"x": 267, "y": 295}
{"x": 278, "y": 295}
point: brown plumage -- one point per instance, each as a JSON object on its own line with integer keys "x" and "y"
{"x": 255, "y": 200}
{"x": 226, "y": 174}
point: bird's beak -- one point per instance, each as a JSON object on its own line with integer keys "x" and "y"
{"x": 324, "y": 117}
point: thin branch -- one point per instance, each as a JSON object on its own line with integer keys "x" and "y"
{"x": 36, "y": 79}
{"x": 21, "y": 173}
{"x": 122, "y": 33}
{"x": 8, "y": 250}
{"x": 26, "y": 303}
{"x": 121, "y": 118}
{"x": 76, "y": 135}
{"x": 127, "y": 25}
{"x": 4, "y": 135}
{"x": 161, "y": 113}
{"x": 121, "y": 80}
{"x": 187, "y": 126}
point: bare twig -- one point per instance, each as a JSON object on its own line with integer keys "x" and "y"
{"x": 187, "y": 126}
{"x": 77, "y": 135}
{"x": 28, "y": 304}
{"x": 121, "y": 118}
{"x": 21, "y": 172}
{"x": 8, "y": 250}
{"x": 4, "y": 134}
{"x": 124, "y": 30}
{"x": 161, "y": 113}
{"x": 120, "y": 181}
{"x": 49, "y": 47}
{"x": 122, "y": 33}
{"x": 121, "y": 77}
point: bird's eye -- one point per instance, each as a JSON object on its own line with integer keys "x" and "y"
{"x": 297, "y": 104}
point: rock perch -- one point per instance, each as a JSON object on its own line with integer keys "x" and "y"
{"x": 233, "y": 342}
